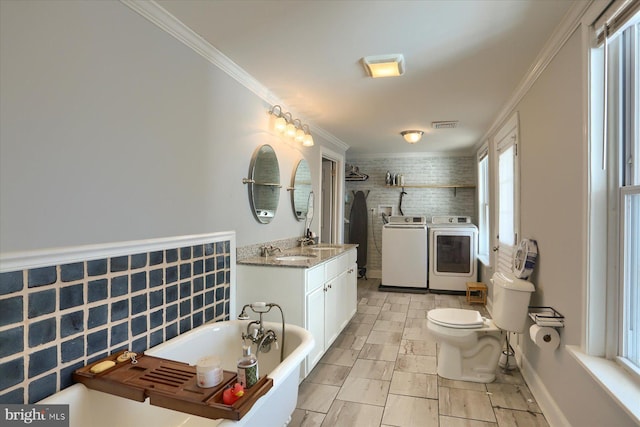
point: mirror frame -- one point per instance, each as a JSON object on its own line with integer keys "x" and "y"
{"x": 256, "y": 184}
{"x": 297, "y": 194}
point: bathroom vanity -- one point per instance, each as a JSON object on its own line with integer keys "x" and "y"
{"x": 316, "y": 287}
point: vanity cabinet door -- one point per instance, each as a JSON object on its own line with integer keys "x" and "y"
{"x": 315, "y": 325}
{"x": 351, "y": 294}
{"x": 332, "y": 311}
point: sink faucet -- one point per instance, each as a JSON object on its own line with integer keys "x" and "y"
{"x": 265, "y": 251}
{"x": 305, "y": 241}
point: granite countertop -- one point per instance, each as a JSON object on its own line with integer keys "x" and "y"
{"x": 317, "y": 254}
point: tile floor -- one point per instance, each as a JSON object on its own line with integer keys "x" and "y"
{"x": 381, "y": 371}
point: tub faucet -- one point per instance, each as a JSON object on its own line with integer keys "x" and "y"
{"x": 256, "y": 331}
{"x": 266, "y": 341}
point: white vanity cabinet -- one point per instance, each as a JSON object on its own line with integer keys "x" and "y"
{"x": 321, "y": 299}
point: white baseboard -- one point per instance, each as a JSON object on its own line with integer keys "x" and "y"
{"x": 550, "y": 408}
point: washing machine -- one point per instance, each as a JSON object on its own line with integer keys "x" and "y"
{"x": 405, "y": 252}
{"x": 453, "y": 248}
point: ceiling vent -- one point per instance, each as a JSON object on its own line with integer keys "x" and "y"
{"x": 447, "y": 124}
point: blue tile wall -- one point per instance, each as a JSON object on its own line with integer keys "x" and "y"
{"x": 58, "y": 318}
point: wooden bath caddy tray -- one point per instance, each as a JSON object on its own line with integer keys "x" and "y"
{"x": 171, "y": 385}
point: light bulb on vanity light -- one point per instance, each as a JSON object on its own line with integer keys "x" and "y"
{"x": 290, "y": 131}
{"x": 299, "y": 135}
{"x": 280, "y": 124}
{"x": 307, "y": 140}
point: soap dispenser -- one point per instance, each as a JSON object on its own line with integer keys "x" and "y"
{"x": 247, "y": 368}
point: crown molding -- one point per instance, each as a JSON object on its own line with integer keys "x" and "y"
{"x": 159, "y": 16}
{"x": 569, "y": 24}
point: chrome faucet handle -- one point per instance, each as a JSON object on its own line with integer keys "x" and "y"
{"x": 266, "y": 250}
{"x": 269, "y": 250}
{"x": 305, "y": 240}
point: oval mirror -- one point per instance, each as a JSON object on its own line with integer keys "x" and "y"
{"x": 300, "y": 189}
{"x": 264, "y": 184}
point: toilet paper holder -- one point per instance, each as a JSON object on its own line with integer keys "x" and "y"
{"x": 546, "y": 316}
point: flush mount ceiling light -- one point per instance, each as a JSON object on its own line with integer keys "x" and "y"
{"x": 384, "y": 65}
{"x": 412, "y": 136}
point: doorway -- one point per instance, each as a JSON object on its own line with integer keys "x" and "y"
{"x": 332, "y": 187}
{"x": 328, "y": 200}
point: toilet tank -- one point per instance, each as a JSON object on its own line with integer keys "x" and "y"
{"x": 510, "y": 301}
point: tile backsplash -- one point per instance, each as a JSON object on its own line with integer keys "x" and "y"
{"x": 59, "y": 317}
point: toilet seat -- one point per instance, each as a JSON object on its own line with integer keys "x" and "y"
{"x": 456, "y": 318}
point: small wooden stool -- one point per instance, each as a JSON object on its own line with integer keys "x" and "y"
{"x": 476, "y": 293}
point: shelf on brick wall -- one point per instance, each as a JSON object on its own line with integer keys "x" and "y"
{"x": 435, "y": 186}
{"x": 454, "y": 186}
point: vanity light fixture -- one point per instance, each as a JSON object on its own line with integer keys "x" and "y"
{"x": 290, "y": 131}
{"x": 384, "y": 65}
{"x": 412, "y": 136}
{"x": 307, "y": 139}
{"x": 298, "y": 133}
{"x": 290, "y": 127}
{"x": 280, "y": 123}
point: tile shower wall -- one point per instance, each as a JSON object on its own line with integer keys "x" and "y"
{"x": 57, "y": 318}
{"x": 417, "y": 170}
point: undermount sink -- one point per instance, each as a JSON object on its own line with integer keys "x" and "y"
{"x": 295, "y": 257}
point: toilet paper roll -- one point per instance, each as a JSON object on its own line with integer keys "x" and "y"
{"x": 545, "y": 337}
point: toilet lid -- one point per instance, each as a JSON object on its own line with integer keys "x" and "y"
{"x": 456, "y": 318}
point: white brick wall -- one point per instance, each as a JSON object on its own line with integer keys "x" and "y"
{"x": 417, "y": 201}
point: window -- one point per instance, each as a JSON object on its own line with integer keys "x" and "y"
{"x": 507, "y": 193}
{"x": 630, "y": 343}
{"x": 615, "y": 143}
{"x": 624, "y": 63}
{"x": 483, "y": 205}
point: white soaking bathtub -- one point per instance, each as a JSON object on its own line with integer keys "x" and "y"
{"x": 93, "y": 408}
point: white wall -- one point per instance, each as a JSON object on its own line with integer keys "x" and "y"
{"x": 112, "y": 130}
{"x": 553, "y": 156}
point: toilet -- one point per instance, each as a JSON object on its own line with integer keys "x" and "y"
{"x": 469, "y": 344}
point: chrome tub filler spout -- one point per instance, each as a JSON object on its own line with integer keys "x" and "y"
{"x": 256, "y": 333}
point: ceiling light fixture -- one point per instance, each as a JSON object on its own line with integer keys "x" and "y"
{"x": 384, "y": 65}
{"x": 412, "y": 136}
{"x": 290, "y": 127}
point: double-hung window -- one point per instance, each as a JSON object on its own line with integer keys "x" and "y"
{"x": 507, "y": 193}
{"x": 614, "y": 244}
{"x": 483, "y": 205}
{"x": 626, "y": 96}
